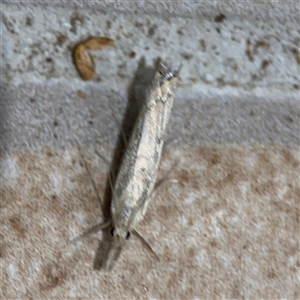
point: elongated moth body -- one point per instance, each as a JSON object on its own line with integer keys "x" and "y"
{"x": 137, "y": 175}
{"x": 138, "y": 171}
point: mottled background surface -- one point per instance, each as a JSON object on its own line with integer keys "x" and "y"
{"x": 225, "y": 222}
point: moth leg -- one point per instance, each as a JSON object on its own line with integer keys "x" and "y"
{"x": 139, "y": 234}
{"x": 90, "y": 175}
{"x": 92, "y": 230}
{"x": 172, "y": 140}
{"x": 157, "y": 186}
{"x": 159, "y": 182}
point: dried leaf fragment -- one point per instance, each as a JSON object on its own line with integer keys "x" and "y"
{"x": 98, "y": 43}
{"x": 83, "y": 60}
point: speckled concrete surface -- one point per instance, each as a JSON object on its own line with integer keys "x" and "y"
{"x": 256, "y": 53}
{"x": 228, "y": 229}
{"x": 239, "y": 82}
{"x": 226, "y": 221}
{"x": 56, "y": 115}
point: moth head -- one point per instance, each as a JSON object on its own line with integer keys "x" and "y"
{"x": 120, "y": 234}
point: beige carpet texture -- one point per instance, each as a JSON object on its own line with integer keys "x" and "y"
{"x": 224, "y": 222}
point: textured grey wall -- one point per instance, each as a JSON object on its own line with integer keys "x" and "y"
{"x": 239, "y": 82}
{"x": 226, "y": 220}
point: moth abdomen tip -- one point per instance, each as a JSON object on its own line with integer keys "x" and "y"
{"x": 168, "y": 71}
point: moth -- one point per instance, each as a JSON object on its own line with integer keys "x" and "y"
{"x": 138, "y": 171}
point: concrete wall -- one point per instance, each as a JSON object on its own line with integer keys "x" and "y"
{"x": 229, "y": 227}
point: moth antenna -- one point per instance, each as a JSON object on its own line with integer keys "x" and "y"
{"x": 111, "y": 176}
{"x": 125, "y": 141}
{"x": 86, "y": 167}
{"x": 97, "y": 227}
